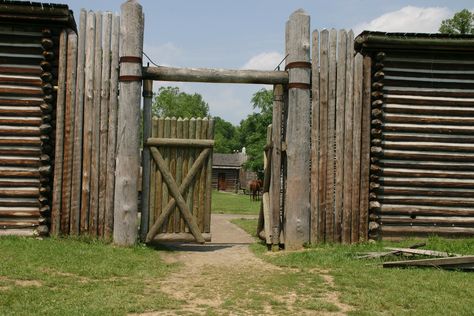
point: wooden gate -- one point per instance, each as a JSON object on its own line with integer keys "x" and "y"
{"x": 179, "y": 185}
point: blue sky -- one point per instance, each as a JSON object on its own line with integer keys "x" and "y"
{"x": 250, "y": 34}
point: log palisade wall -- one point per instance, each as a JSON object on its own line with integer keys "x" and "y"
{"x": 339, "y": 142}
{"x": 32, "y": 45}
{"x": 84, "y": 175}
{"x": 422, "y": 135}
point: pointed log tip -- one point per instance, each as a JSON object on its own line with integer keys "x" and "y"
{"x": 299, "y": 12}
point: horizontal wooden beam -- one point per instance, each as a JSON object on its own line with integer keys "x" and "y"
{"x": 180, "y": 142}
{"x": 215, "y": 75}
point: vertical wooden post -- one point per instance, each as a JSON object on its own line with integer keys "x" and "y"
{"x": 146, "y": 165}
{"x": 128, "y": 155}
{"x": 315, "y": 140}
{"x": 340, "y": 132}
{"x": 356, "y": 143}
{"x": 87, "y": 129}
{"x": 330, "y": 176}
{"x": 297, "y": 224}
{"x": 275, "y": 185}
{"x": 59, "y": 142}
{"x": 78, "y": 128}
{"x": 112, "y": 135}
{"x": 348, "y": 116}
{"x": 68, "y": 130}
{"x": 323, "y": 131}
{"x": 104, "y": 119}
{"x": 365, "y": 150}
{"x": 94, "y": 180}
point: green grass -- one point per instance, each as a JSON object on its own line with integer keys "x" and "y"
{"x": 72, "y": 277}
{"x": 373, "y": 290}
{"x": 231, "y": 203}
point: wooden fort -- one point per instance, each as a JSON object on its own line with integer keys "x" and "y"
{"x": 371, "y": 137}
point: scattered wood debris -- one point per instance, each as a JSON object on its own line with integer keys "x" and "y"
{"x": 443, "y": 260}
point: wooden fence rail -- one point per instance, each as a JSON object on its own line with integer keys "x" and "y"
{"x": 86, "y": 131}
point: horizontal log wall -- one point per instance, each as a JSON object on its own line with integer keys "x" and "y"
{"x": 28, "y": 75}
{"x": 340, "y": 140}
{"x": 86, "y": 131}
{"x": 179, "y": 160}
{"x": 422, "y": 154}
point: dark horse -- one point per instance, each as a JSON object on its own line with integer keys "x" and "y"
{"x": 255, "y": 186}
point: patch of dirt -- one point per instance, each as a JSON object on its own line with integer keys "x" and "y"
{"x": 23, "y": 283}
{"x": 332, "y": 296}
{"x": 225, "y": 278}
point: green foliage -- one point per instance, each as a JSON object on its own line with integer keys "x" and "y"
{"x": 171, "y": 102}
{"x": 225, "y": 136}
{"x": 253, "y": 130}
{"x": 461, "y": 23}
{"x": 231, "y": 203}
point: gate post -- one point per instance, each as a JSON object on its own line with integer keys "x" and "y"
{"x": 146, "y": 161}
{"x": 128, "y": 155}
{"x": 298, "y": 132}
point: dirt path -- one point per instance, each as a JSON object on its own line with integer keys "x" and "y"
{"x": 225, "y": 278}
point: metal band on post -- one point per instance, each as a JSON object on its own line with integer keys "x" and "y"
{"x": 298, "y": 64}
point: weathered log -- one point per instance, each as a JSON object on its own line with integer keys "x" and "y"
{"x": 297, "y": 230}
{"x": 425, "y": 191}
{"x": 128, "y": 161}
{"x": 427, "y": 210}
{"x": 427, "y": 200}
{"x": 323, "y": 137}
{"x": 365, "y": 150}
{"x": 215, "y": 75}
{"x": 160, "y": 142}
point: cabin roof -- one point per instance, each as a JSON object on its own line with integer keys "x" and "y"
{"x": 370, "y": 40}
{"x": 36, "y": 13}
{"x": 229, "y": 161}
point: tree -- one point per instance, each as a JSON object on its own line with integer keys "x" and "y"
{"x": 225, "y": 136}
{"x": 461, "y": 23}
{"x": 253, "y": 130}
{"x": 171, "y": 102}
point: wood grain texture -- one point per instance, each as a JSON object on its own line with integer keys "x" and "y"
{"x": 59, "y": 143}
{"x": 348, "y": 146}
{"x": 297, "y": 230}
{"x": 88, "y": 115}
{"x": 112, "y": 132}
{"x": 76, "y": 175}
{"x": 128, "y": 156}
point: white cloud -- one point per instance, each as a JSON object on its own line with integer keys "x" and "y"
{"x": 264, "y": 61}
{"x": 407, "y": 19}
{"x": 166, "y": 54}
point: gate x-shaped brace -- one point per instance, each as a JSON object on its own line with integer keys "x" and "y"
{"x": 175, "y": 191}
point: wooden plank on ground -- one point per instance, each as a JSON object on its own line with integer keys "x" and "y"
{"x": 461, "y": 263}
